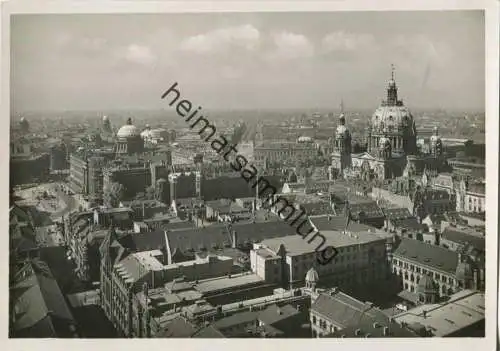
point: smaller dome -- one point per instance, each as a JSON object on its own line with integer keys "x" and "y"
{"x": 23, "y": 119}
{"x": 312, "y": 276}
{"x": 427, "y": 285}
{"x": 105, "y": 118}
{"x": 127, "y": 131}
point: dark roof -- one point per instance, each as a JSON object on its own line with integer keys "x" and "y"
{"x": 39, "y": 304}
{"x": 408, "y": 223}
{"x": 369, "y": 208}
{"x": 397, "y": 213}
{"x": 256, "y": 232}
{"x": 208, "y": 332}
{"x": 337, "y": 223}
{"x": 344, "y": 309}
{"x": 274, "y": 314}
{"x": 427, "y": 254}
{"x": 236, "y": 319}
{"x": 177, "y": 328}
{"x": 459, "y": 237}
{"x": 154, "y": 240}
{"x": 199, "y": 238}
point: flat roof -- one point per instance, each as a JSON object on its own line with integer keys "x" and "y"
{"x": 222, "y": 283}
{"x": 462, "y": 310}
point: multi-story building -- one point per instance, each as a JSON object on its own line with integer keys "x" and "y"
{"x": 336, "y": 314}
{"x": 392, "y": 143}
{"x": 285, "y": 151}
{"x": 361, "y": 258}
{"x": 462, "y": 315}
{"x": 445, "y": 270}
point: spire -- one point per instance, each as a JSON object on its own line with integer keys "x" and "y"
{"x": 392, "y": 90}
{"x": 341, "y": 106}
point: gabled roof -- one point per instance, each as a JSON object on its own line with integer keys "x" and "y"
{"x": 208, "y": 332}
{"x": 274, "y": 314}
{"x": 433, "y": 256}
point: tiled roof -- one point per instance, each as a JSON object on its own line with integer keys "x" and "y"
{"x": 408, "y": 223}
{"x": 369, "y": 208}
{"x": 374, "y": 329}
{"x": 430, "y": 255}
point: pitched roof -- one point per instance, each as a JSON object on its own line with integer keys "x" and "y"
{"x": 236, "y": 319}
{"x": 208, "y": 332}
{"x": 344, "y": 309}
{"x": 179, "y": 327}
{"x": 38, "y": 303}
{"x": 274, "y": 314}
{"x": 430, "y": 255}
{"x": 460, "y": 237}
{"x": 337, "y": 223}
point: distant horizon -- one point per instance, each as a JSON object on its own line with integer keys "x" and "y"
{"x": 240, "y": 61}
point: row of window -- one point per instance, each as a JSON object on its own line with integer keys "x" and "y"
{"x": 419, "y": 270}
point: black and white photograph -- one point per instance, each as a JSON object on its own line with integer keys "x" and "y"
{"x": 251, "y": 174}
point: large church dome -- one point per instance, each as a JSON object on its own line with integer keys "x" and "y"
{"x": 128, "y": 130}
{"x": 392, "y": 118}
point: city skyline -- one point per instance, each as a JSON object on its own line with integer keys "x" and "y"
{"x": 248, "y": 60}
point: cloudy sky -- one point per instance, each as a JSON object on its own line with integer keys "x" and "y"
{"x": 247, "y": 60}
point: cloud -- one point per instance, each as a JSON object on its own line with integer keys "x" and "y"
{"x": 139, "y": 54}
{"x": 342, "y": 41}
{"x": 245, "y": 36}
{"x": 291, "y": 46}
{"x": 93, "y": 44}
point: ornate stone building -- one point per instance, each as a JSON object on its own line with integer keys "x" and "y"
{"x": 129, "y": 140}
{"x": 391, "y": 144}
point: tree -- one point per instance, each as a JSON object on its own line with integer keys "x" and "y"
{"x": 113, "y": 194}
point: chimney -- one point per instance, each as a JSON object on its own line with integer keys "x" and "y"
{"x": 386, "y": 331}
{"x": 424, "y": 313}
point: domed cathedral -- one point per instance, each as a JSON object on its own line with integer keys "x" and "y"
{"x": 128, "y": 140}
{"x": 391, "y": 139}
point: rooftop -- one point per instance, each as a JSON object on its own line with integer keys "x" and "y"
{"x": 222, "y": 283}
{"x": 428, "y": 255}
{"x": 462, "y": 310}
{"x": 296, "y": 245}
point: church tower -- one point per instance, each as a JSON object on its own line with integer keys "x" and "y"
{"x": 342, "y": 148}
